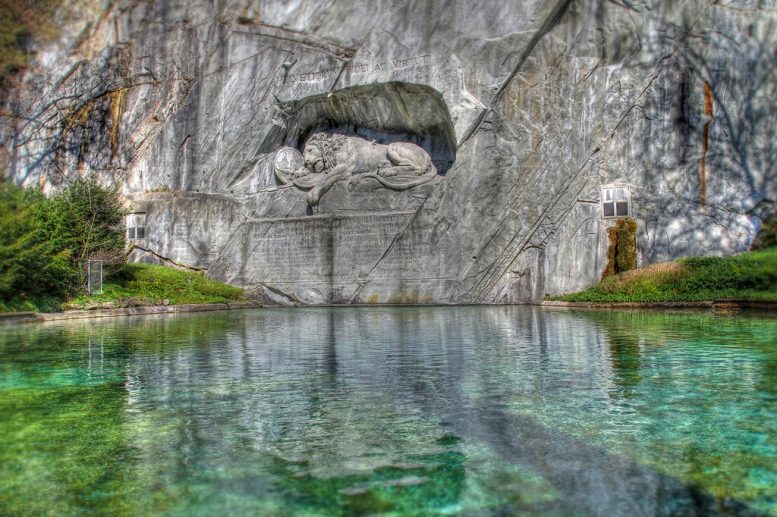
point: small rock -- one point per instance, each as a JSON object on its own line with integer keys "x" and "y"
{"x": 354, "y": 490}
{"x": 407, "y": 481}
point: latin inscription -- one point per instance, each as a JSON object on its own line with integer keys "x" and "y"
{"x": 292, "y": 251}
{"x": 405, "y": 260}
{"x": 341, "y": 250}
{"x": 360, "y": 242}
{"x": 363, "y": 68}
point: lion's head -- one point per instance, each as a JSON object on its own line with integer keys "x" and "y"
{"x": 321, "y": 151}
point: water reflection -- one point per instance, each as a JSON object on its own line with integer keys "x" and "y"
{"x": 491, "y": 410}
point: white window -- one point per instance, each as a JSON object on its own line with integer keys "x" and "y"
{"x": 136, "y": 226}
{"x": 616, "y": 201}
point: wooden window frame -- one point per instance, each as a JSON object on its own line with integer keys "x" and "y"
{"x": 615, "y": 201}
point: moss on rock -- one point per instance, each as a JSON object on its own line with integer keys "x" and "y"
{"x": 622, "y": 253}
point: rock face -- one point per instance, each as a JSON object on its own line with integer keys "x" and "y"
{"x": 525, "y": 109}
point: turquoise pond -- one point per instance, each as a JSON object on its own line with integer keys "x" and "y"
{"x": 394, "y": 411}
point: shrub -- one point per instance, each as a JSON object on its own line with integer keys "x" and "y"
{"x": 44, "y": 242}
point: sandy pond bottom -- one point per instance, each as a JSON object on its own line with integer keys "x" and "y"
{"x": 398, "y": 411}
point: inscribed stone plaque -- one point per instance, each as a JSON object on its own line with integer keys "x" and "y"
{"x": 329, "y": 249}
{"x": 361, "y": 241}
{"x": 406, "y": 259}
{"x": 292, "y": 250}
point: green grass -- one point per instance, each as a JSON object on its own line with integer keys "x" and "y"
{"x": 148, "y": 284}
{"x": 750, "y": 275}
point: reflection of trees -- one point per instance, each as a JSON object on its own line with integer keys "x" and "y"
{"x": 62, "y": 406}
{"x": 64, "y": 413}
{"x": 702, "y": 377}
{"x": 624, "y": 350}
{"x": 625, "y": 355}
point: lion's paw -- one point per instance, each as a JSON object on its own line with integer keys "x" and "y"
{"x": 313, "y": 197}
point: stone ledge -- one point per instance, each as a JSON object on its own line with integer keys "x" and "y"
{"x": 141, "y": 311}
{"x": 244, "y": 305}
{"x": 17, "y": 317}
{"x": 715, "y": 305}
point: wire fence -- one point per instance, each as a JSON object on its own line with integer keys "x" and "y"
{"x": 94, "y": 276}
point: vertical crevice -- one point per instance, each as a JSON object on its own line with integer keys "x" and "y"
{"x": 683, "y": 119}
{"x": 705, "y": 136}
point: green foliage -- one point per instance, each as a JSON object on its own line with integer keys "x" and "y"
{"x": 87, "y": 219}
{"x": 37, "y": 303}
{"x": 626, "y": 251}
{"x": 21, "y": 23}
{"x": 44, "y": 241}
{"x": 16, "y": 235}
{"x": 747, "y": 276}
{"x": 149, "y": 284}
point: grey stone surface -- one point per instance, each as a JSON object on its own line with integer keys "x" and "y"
{"x": 525, "y": 108}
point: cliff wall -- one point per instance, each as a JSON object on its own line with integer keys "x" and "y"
{"x": 526, "y": 109}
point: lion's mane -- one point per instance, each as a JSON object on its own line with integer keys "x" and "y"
{"x": 328, "y": 144}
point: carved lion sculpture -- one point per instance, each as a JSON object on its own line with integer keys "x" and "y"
{"x": 329, "y": 158}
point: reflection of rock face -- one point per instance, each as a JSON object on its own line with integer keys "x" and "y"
{"x": 343, "y": 393}
{"x": 330, "y": 158}
{"x": 524, "y": 109}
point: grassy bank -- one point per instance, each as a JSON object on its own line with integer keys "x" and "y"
{"x": 137, "y": 285}
{"x": 747, "y": 276}
{"x": 147, "y": 284}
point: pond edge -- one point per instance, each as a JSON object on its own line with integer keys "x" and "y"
{"x": 711, "y": 305}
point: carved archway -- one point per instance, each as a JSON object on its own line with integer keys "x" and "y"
{"x": 383, "y": 112}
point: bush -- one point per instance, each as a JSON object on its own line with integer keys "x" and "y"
{"x": 767, "y": 235}
{"x": 45, "y": 241}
